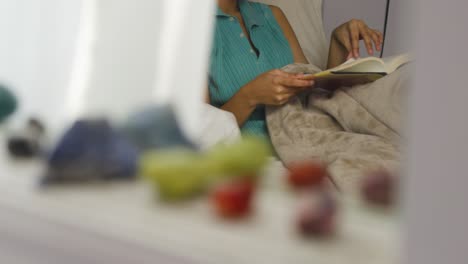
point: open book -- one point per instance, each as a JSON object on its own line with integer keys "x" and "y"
{"x": 358, "y": 71}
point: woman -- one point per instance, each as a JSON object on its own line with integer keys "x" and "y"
{"x": 252, "y": 41}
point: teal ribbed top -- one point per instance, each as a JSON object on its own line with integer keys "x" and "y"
{"x": 234, "y": 62}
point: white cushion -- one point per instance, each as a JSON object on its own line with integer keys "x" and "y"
{"x": 217, "y": 126}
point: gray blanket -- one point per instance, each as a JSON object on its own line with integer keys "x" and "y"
{"x": 355, "y": 130}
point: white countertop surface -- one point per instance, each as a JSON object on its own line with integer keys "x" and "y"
{"x": 117, "y": 214}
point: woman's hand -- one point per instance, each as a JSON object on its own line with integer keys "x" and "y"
{"x": 350, "y": 33}
{"x": 275, "y": 87}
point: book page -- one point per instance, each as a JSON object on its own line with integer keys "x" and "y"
{"x": 364, "y": 65}
{"x": 349, "y": 61}
{"x": 394, "y": 62}
{"x": 369, "y": 64}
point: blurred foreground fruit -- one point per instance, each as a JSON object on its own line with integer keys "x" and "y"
{"x": 317, "y": 214}
{"x": 176, "y": 174}
{"x": 379, "y": 188}
{"x": 307, "y": 174}
{"x": 234, "y": 199}
{"x": 182, "y": 173}
{"x": 245, "y": 157}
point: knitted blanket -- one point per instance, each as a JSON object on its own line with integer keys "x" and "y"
{"x": 355, "y": 129}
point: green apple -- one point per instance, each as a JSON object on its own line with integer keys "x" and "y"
{"x": 177, "y": 174}
{"x": 182, "y": 173}
{"x": 245, "y": 157}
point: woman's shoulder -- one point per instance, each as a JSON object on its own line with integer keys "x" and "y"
{"x": 275, "y": 9}
{"x": 264, "y": 7}
{"x": 277, "y": 13}
{"x": 268, "y": 10}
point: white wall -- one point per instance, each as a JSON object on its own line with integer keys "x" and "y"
{"x": 121, "y": 58}
{"x": 109, "y": 57}
{"x": 36, "y": 51}
{"x": 400, "y": 21}
{"x": 43, "y": 48}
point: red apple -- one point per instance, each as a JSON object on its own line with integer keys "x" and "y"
{"x": 306, "y": 174}
{"x": 233, "y": 199}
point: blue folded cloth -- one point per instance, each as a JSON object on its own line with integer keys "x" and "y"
{"x": 91, "y": 150}
{"x": 156, "y": 127}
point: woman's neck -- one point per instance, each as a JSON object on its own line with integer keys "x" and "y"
{"x": 229, "y": 7}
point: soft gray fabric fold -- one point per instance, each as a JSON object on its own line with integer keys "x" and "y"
{"x": 355, "y": 130}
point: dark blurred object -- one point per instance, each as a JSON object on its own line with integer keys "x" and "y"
{"x": 156, "y": 128}
{"x": 233, "y": 199}
{"x": 26, "y": 143}
{"x": 91, "y": 150}
{"x": 307, "y": 174}
{"x": 379, "y": 188}
{"x": 317, "y": 214}
{"x": 8, "y": 103}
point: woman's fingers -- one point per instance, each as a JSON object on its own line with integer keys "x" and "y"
{"x": 282, "y": 94}
{"x": 351, "y": 33}
{"x": 294, "y": 82}
{"x": 280, "y": 73}
{"x": 354, "y": 34}
{"x": 284, "y": 74}
{"x": 367, "y": 40}
{"x": 381, "y": 38}
{"x": 291, "y": 80}
{"x": 346, "y": 42}
{"x": 282, "y": 99}
{"x": 376, "y": 39}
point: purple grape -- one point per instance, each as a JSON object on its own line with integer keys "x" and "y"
{"x": 379, "y": 188}
{"x": 317, "y": 215}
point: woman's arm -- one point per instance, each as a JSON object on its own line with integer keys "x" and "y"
{"x": 337, "y": 54}
{"x": 275, "y": 87}
{"x": 241, "y": 105}
{"x": 298, "y": 54}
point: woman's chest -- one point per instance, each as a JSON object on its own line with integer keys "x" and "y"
{"x": 237, "y": 60}
{"x": 259, "y": 46}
